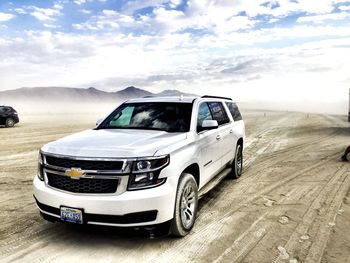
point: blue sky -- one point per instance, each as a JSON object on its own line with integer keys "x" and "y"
{"x": 228, "y": 46}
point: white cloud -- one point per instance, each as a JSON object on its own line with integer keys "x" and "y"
{"x": 6, "y": 17}
{"x": 175, "y": 3}
{"x": 45, "y": 14}
{"x": 344, "y": 8}
{"x": 92, "y": 58}
{"x": 85, "y": 11}
{"x": 109, "y": 19}
{"x": 218, "y": 17}
{"x": 79, "y": 2}
{"x": 134, "y": 5}
{"x": 20, "y": 11}
{"x": 58, "y": 6}
{"x": 199, "y": 16}
{"x": 51, "y": 26}
{"x": 323, "y": 18}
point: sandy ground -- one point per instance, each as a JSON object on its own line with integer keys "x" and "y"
{"x": 291, "y": 205}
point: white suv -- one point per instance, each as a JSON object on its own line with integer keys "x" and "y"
{"x": 143, "y": 164}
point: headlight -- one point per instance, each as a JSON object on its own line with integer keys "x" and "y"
{"x": 145, "y": 172}
{"x": 40, "y": 172}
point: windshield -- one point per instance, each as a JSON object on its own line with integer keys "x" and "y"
{"x": 164, "y": 116}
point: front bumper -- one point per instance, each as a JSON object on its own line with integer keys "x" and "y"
{"x": 131, "y": 208}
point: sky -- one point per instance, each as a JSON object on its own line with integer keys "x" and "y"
{"x": 252, "y": 50}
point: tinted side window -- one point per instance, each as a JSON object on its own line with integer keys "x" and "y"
{"x": 203, "y": 114}
{"x": 218, "y": 112}
{"x": 236, "y": 115}
{"x": 4, "y": 110}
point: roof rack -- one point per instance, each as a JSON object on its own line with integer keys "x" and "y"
{"x": 215, "y": 97}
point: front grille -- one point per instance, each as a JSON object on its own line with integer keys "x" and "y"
{"x": 82, "y": 185}
{"x": 84, "y": 164}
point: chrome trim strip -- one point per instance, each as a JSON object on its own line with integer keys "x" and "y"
{"x": 126, "y": 168}
{"x": 88, "y": 176}
{"x": 121, "y": 225}
{"x": 104, "y": 158}
{"x": 208, "y": 163}
{"x": 63, "y": 169}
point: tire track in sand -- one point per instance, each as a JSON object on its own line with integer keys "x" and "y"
{"x": 329, "y": 195}
{"x": 209, "y": 232}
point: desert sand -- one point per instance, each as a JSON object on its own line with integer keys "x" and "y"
{"x": 292, "y": 204}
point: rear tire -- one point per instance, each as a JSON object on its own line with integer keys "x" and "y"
{"x": 237, "y": 164}
{"x": 10, "y": 123}
{"x": 186, "y": 205}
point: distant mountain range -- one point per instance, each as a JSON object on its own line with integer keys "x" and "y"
{"x": 91, "y": 94}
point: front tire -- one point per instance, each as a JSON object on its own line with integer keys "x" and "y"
{"x": 186, "y": 205}
{"x": 10, "y": 123}
{"x": 237, "y": 164}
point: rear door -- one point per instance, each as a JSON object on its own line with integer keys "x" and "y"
{"x": 2, "y": 115}
{"x": 225, "y": 131}
{"x": 238, "y": 124}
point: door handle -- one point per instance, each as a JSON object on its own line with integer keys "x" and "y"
{"x": 218, "y": 137}
{"x": 231, "y": 131}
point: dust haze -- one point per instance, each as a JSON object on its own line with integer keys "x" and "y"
{"x": 102, "y": 107}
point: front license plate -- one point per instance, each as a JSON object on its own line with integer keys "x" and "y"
{"x": 71, "y": 215}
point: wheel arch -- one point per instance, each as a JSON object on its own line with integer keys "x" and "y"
{"x": 194, "y": 170}
{"x": 240, "y": 142}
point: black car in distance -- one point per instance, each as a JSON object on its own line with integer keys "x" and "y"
{"x": 8, "y": 116}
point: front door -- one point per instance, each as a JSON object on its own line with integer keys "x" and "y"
{"x": 209, "y": 145}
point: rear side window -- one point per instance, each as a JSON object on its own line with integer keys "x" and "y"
{"x": 4, "y": 109}
{"x": 236, "y": 115}
{"x": 218, "y": 112}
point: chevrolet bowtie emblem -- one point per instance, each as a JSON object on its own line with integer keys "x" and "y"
{"x": 75, "y": 173}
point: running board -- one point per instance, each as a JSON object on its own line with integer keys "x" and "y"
{"x": 214, "y": 182}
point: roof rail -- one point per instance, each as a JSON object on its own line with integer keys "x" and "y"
{"x": 215, "y": 97}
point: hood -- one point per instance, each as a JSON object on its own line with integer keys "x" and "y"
{"x": 113, "y": 143}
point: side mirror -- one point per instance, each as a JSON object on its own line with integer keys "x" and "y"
{"x": 98, "y": 121}
{"x": 209, "y": 125}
